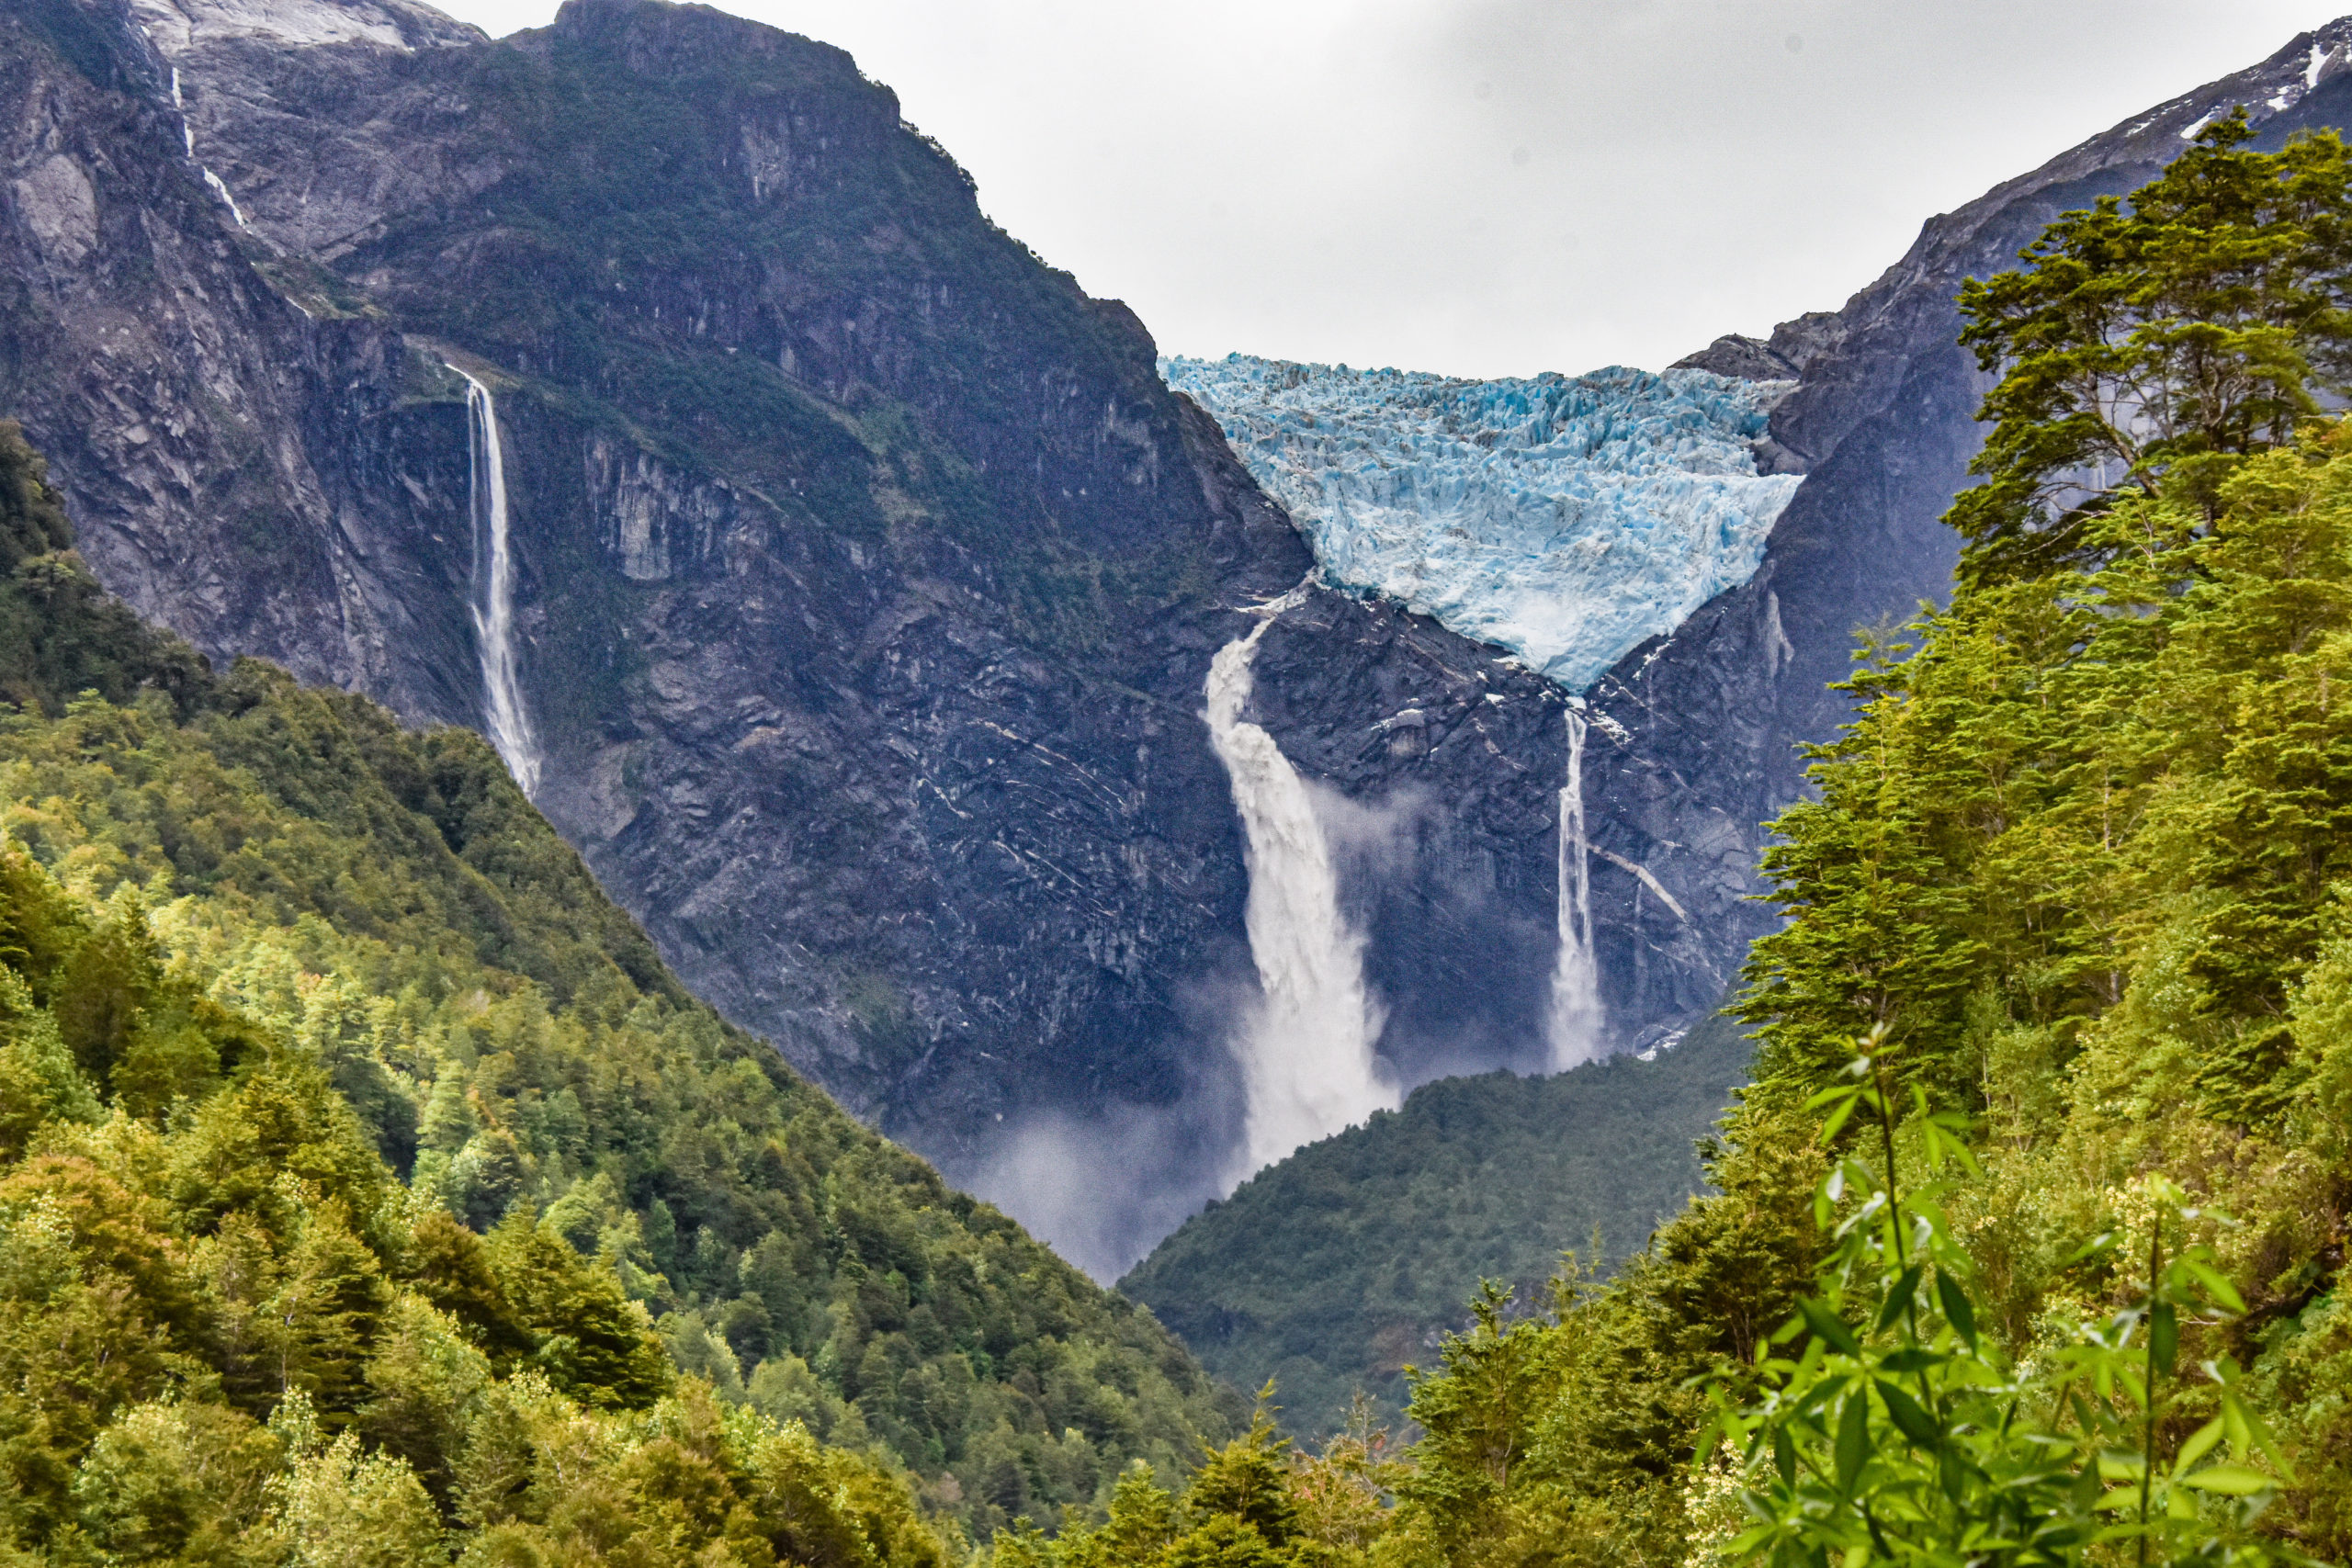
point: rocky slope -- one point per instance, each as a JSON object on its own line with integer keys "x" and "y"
{"x": 866, "y": 575}
{"x": 1700, "y": 747}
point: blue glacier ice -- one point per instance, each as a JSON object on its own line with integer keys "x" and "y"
{"x": 1563, "y": 518}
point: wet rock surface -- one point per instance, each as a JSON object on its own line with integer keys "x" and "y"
{"x": 868, "y": 575}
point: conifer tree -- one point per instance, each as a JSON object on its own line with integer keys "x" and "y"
{"x": 2149, "y": 344}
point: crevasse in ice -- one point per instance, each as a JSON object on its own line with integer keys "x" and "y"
{"x": 1564, "y": 518}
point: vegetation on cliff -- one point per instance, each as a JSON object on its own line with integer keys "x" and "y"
{"x": 368, "y": 1184}
{"x": 2071, "y": 901}
{"x": 2028, "y": 1240}
{"x": 1332, "y": 1270}
{"x": 366, "y": 1176}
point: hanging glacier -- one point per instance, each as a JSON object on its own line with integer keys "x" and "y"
{"x": 1566, "y": 519}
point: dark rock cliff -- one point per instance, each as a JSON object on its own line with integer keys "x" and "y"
{"x": 868, "y": 574}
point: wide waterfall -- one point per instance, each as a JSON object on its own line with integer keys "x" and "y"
{"x": 1306, "y": 1049}
{"x": 1576, "y": 979}
{"x": 492, "y": 601}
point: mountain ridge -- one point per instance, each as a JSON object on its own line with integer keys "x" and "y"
{"x": 217, "y": 887}
{"x": 1705, "y": 723}
{"x": 866, "y": 574}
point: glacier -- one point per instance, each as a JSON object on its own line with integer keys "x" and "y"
{"x": 1566, "y": 519}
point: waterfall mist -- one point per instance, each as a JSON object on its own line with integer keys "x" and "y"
{"x": 1305, "y": 1046}
{"x": 1575, "y": 980}
{"x": 492, "y": 601}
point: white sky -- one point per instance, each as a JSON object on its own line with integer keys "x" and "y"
{"x": 1501, "y": 187}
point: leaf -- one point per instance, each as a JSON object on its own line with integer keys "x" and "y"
{"x": 1820, "y": 1098}
{"x": 1826, "y": 1197}
{"x": 1958, "y": 1311}
{"x": 1916, "y": 1423}
{"x": 2200, "y": 1443}
{"x": 2103, "y": 1242}
{"x": 2232, "y": 1479}
{"x": 1853, "y": 1440}
{"x": 2223, "y": 1293}
{"x": 1952, "y": 1474}
{"x": 1827, "y": 1326}
{"x": 1704, "y": 1451}
{"x": 1829, "y": 1129}
{"x": 1912, "y": 1359}
{"x": 1784, "y": 1456}
{"x": 2235, "y": 1422}
{"x": 1898, "y": 1296}
{"x": 2247, "y": 1423}
{"x": 2164, "y": 1335}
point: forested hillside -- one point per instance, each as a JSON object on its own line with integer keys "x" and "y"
{"x": 2071, "y": 907}
{"x": 367, "y": 1185}
{"x": 1334, "y": 1269}
{"x": 364, "y": 1175}
{"x": 2028, "y": 1239}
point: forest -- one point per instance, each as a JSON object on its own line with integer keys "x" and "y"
{"x": 371, "y": 1189}
{"x": 373, "y": 1196}
{"x": 1334, "y": 1269}
{"x": 2026, "y": 1241}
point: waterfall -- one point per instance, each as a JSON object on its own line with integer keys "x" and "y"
{"x": 1306, "y": 1048}
{"x": 218, "y": 186}
{"x": 493, "y": 600}
{"x": 1576, "y": 981}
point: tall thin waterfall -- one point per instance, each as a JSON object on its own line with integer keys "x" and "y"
{"x": 492, "y": 601}
{"x": 219, "y": 186}
{"x": 1576, "y": 979}
{"x": 1306, "y": 1050}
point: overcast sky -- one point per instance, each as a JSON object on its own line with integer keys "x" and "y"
{"x": 1501, "y": 187}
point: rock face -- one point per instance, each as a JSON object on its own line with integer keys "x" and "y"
{"x": 1700, "y": 747}
{"x": 866, "y": 574}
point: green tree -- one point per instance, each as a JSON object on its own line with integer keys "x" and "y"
{"x": 2149, "y": 343}
{"x": 1903, "y": 1434}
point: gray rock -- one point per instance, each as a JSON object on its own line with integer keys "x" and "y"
{"x": 1883, "y": 425}
{"x": 868, "y": 574}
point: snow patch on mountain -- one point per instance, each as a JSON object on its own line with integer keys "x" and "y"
{"x": 1567, "y": 519}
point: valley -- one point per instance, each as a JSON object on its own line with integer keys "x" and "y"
{"x": 665, "y": 800}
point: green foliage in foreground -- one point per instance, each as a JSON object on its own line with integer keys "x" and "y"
{"x": 1905, "y": 1433}
{"x": 355, "y": 1149}
{"x": 2081, "y": 858}
{"x": 2050, "y": 1270}
{"x": 1332, "y": 1270}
